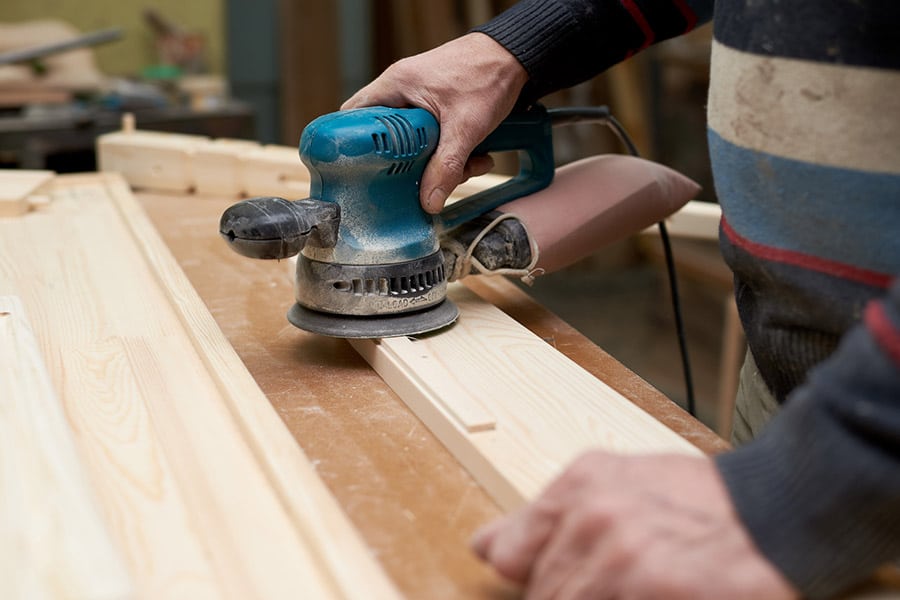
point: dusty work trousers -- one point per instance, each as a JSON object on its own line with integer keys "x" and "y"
{"x": 754, "y": 405}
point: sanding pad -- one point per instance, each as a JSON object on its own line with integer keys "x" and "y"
{"x": 377, "y": 326}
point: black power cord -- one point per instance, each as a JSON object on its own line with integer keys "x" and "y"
{"x": 601, "y": 115}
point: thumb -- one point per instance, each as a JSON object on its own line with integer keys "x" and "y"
{"x": 445, "y": 171}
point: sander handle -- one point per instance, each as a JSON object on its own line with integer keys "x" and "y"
{"x": 529, "y": 132}
{"x": 273, "y": 228}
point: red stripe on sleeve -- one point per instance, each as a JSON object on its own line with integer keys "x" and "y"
{"x": 884, "y": 332}
{"x": 807, "y": 261}
{"x": 642, "y": 23}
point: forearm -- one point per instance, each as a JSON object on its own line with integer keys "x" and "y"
{"x": 819, "y": 491}
{"x": 563, "y": 42}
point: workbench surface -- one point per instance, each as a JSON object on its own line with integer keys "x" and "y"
{"x": 413, "y": 503}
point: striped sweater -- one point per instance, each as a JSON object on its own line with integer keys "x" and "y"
{"x": 804, "y": 134}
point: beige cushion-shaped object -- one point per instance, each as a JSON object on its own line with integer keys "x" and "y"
{"x": 597, "y": 201}
{"x": 72, "y": 70}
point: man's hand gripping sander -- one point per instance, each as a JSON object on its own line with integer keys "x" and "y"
{"x": 371, "y": 262}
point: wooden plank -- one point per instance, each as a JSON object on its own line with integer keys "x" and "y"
{"x": 53, "y": 541}
{"x": 150, "y": 159}
{"x": 695, "y": 220}
{"x": 274, "y": 171}
{"x": 308, "y": 502}
{"x": 423, "y": 371}
{"x": 206, "y": 498}
{"x": 18, "y": 189}
{"x": 216, "y": 167}
{"x": 518, "y": 304}
{"x": 547, "y": 408}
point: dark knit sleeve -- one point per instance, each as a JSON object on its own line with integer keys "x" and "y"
{"x": 564, "y": 42}
{"x": 819, "y": 490}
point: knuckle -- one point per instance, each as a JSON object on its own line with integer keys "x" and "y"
{"x": 626, "y": 551}
{"x": 452, "y": 164}
{"x": 597, "y": 517}
{"x": 546, "y": 508}
{"x": 399, "y": 67}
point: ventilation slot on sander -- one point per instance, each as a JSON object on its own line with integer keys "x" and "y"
{"x": 393, "y": 286}
{"x": 401, "y": 139}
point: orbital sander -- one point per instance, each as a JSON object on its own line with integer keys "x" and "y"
{"x": 372, "y": 263}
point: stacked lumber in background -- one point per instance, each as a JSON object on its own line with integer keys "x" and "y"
{"x": 23, "y": 189}
{"x": 173, "y": 162}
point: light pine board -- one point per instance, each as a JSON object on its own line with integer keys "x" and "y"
{"x": 203, "y": 488}
{"x": 53, "y": 540}
{"x": 314, "y": 512}
{"x": 19, "y": 189}
{"x": 159, "y": 161}
{"x": 543, "y": 407}
{"x": 696, "y": 219}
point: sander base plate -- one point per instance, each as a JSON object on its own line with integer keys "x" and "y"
{"x": 375, "y": 326}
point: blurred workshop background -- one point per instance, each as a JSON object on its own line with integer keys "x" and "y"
{"x": 262, "y": 69}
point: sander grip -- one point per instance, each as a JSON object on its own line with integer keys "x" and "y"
{"x": 529, "y": 132}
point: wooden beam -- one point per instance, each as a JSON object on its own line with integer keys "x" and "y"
{"x": 205, "y": 490}
{"x": 168, "y": 162}
{"x": 695, "y": 220}
{"x": 53, "y": 541}
{"x": 309, "y": 504}
{"x": 544, "y": 409}
{"x": 274, "y": 171}
{"x": 150, "y": 159}
{"x": 216, "y": 167}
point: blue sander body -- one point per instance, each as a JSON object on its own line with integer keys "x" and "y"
{"x": 370, "y": 261}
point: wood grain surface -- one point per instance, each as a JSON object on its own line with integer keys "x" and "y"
{"x": 53, "y": 541}
{"x": 189, "y": 496}
{"x": 546, "y": 409}
{"x": 412, "y": 501}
